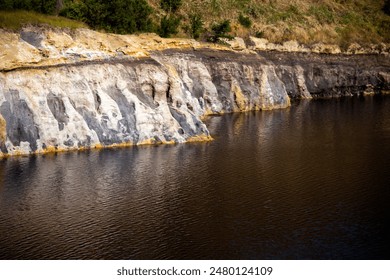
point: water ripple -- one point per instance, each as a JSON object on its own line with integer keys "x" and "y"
{"x": 308, "y": 182}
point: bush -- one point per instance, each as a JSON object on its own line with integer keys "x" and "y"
{"x": 245, "y": 21}
{"x": 6, "y": 5}
{"x": 129, "y": 16}
{"x": 220, "y": 30}
{"x": 74, "y": 10}
{"x": 196, "y": 26}
{"x": 259, "y": 34}
{"x": 170, "y": 5}
{"x": 168, "y": 26}
{"x": 119, "y": 16}
{"x": 40, "y": 6}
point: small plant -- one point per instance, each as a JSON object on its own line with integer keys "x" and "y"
{"x": 196, "y": 26}
{"x": 220, "y": 30}
{"x": 168, "y": 26}
{"x": 259, "y": 34}
{"x": 244, "y": 21}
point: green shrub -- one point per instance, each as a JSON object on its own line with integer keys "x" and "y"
{"x": 6, "y": 5}
{"x": 259, "y": 34}
{"x": 168, "y": 26}
{"x": 220, "y": 30}
{"x": 74, "y": 10}
{"x": 129, "y": 16}
{"x": 40, "y": 6}
{"x": 119, "y": 16}
{"x": 196, "y": 26}
{"x": 244, "y": 21}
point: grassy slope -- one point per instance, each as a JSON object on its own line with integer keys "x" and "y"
{"x": 14, "y": 20}
{"x": 307, "y": 21}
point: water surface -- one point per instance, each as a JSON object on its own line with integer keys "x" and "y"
{"x": 308, "y": 182}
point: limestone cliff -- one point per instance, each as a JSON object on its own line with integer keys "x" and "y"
{"x": 59, "y": 92}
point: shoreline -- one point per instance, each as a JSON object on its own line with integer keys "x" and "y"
{"x": 84, "y": 91}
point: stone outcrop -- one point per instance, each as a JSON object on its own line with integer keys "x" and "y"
{"x": 130, "y": 101}
{"x": 61, "y": 91}
{"x": 324, "y": 75}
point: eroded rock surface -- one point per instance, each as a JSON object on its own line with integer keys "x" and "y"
{"x": 130, "y": 102}
{"x": 58, "y": 94}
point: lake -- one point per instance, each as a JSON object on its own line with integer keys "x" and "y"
{"x": 308, "y": 182}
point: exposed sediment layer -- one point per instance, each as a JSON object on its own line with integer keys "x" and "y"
{"x": 162, "y": 97}
{"x": 136, "y": 101}
{"x": 331, "y": 75}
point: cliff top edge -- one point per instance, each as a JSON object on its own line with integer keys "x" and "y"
{"x": 38, "y": 46}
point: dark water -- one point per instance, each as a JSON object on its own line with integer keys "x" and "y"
{"x": 309, "y": 182}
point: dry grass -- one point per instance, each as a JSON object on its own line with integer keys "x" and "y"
{"x": 307, "y": 21}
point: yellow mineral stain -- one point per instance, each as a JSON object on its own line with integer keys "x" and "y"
{"x": 120, "y": 145}
{"x": 99, "y": 146}
{"x": 240, "y": 99}
{"x": 3, "y": 130}
{"x": 200, "y": 138}
{"x": 150, "y": 141}
{"x": 50, "y": 149}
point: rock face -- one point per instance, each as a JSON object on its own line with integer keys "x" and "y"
{"x": 131, "y": 101}
{"x": 324, "y": 75}
{"x": 162, "y": 97}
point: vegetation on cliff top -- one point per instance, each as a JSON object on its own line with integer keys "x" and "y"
{"x": 15, "y": 20}
{"x": 307, "y": 21}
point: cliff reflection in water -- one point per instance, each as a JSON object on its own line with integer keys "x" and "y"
{"x": 306, "y": 182}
